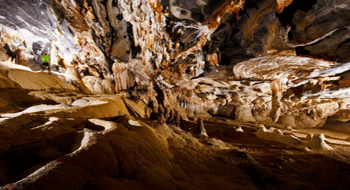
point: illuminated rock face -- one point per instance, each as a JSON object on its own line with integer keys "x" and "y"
{"x": 134, "y": 86}
{"x": 202, "y": 54}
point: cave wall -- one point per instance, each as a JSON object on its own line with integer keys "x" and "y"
{"x": 165, "y": 33}
{"x": 186, "y": 50}
{"x": 312, "y": 28}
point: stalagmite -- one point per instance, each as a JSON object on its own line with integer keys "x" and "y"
{"x": 161, "y": 119}
{"x": 200, "y": 128}
{"x": 317, "y": 142}
{"x": 276, "y": 90}
{"x": 137, "y": 85}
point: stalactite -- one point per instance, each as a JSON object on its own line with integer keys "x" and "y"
{"x": 123, "y": 77}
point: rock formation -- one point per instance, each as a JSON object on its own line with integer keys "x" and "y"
{"x": 130, "y": 78}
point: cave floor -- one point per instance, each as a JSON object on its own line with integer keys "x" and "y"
{"x": 235, "y": 160}
{"x": 296, "y": 168}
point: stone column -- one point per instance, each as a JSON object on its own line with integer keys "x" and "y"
{"x": 276, "y": 92}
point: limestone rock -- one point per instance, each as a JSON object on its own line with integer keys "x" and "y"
{"x": 130, "y": 78}
{"x": 317, "y": 142}
{"x": 98, "y": 85}
{"x": 200, "y": 128}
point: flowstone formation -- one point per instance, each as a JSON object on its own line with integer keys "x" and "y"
{"x": 187, "y": 50}
{"x": 174, "y": 94}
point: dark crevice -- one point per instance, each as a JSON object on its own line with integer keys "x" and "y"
{"x": 302, "y": 51}
{"x": 286, "y": 17}
{"x": 225, "y": 60}
{"x": 290, "y": 36}
{"x": 248, "y": 5}
{"x": 134, "y": 50}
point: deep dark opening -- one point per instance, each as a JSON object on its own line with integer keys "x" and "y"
{"x": 286, "y": 17}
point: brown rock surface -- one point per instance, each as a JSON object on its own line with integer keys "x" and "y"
{"x": 174, "y": 94}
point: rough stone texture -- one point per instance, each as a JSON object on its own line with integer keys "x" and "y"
{"x": 260, "y": 29}
{"x": 130, "y": 78}
{"x": 98, "y": 85}
{"x": 320, "y": 28}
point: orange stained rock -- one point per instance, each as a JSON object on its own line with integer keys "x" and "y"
{"x": 200, "y": 43}
{"x": 282, "y": 52}
{"x": 143, "y": 56}
{"x": 150, "y": 42}
{"x": 79, "y": 10}
{"x": 136, "y": 41}
{"x": 192, "y": 70}
{"x": 213, "y": 59}
{"x": 157, "y": 7}
{"x": 177, "y": 89}
{"x": 177, "y": 47}
{"x": 281, "y": 4}
{"x": 231, "y": 6}
{"x": 159, "y": 17}
{"x": 328, "y": 82}
{"x": 91, "y": 15}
